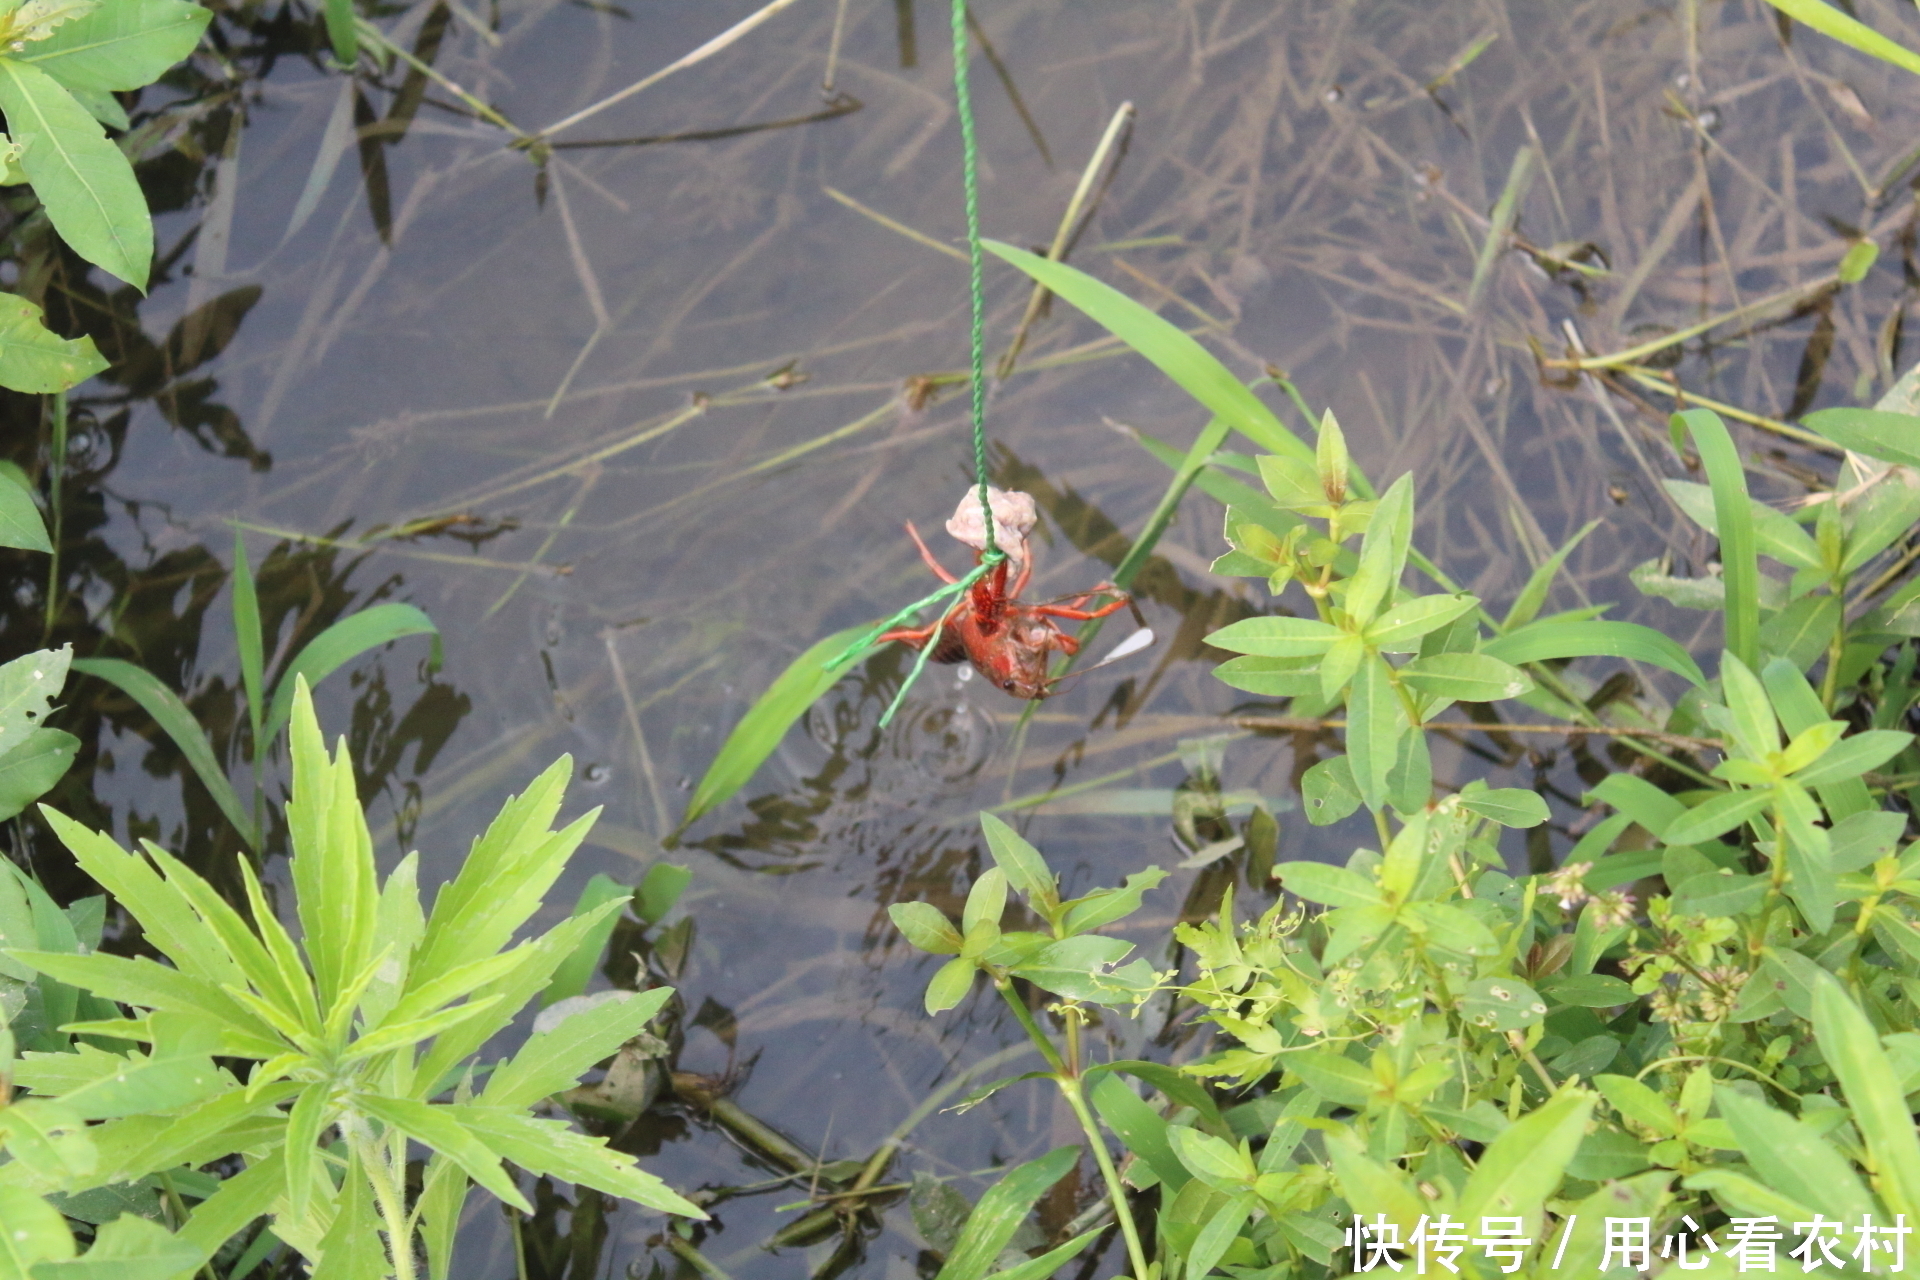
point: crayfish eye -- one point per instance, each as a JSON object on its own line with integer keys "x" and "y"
{"x": 1009, "y": 685}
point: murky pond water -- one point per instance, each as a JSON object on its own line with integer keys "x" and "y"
{"x": 639, "y": 431}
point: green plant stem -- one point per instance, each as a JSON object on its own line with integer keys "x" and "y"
{"x": 1025, "y": 1015}
{"x": 57, "y": 471}
{"x": 392, "y": 1210}
{"x": 1116, "y": 1190}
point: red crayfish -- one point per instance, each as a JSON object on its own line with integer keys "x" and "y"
{"x": 1008, "y": 642}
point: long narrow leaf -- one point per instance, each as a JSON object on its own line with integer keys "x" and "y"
{"x": 171, "y": 714}
{"x": 1828, "y": 20}
{"x": 341, "y": 643}
{"x": 803, "y": 683}
{"x": 246, "y": 632}
{"x": 1173, "y": 352}
{"x": 1001, "y": 1211}
{"x": 1733, "y": 523}
{"x": 1873, "y": 1091}
{"x": 1545, "y": 641}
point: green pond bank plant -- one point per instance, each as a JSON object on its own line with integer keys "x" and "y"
{"x": 302, "y": 1075}
{"x": 1693, "y": 1044}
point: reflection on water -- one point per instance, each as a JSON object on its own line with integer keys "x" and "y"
{"x": 638, "y": 425}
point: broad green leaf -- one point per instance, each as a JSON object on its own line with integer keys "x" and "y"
{"x": 949, "y": 985}
{"x": 1329, "y": 885}
{"x": 1716, "y": 893}
{"x": 1375, "y": 721}
{"x": 1853, "y": 756}
{"x": 1214, "y": 1161}
{"x": 554, "y": 1060}
{"x": 1001, "y": 1210}
{"x": 120, "y": 46}
{"x": 1775, "y": 534}
{"x": 1523, "y": 1166}
{"x": 1338, "y": 664}
{"x": 1174, "y": 353}
{"x": 986, "y": 902}
{"x": 804, "y": 682}
{"x": 1850, "y": 1046}
{"x": 35, "y": 359}
{"x": 1502, "y": 1004}
{"x": 1879, "y": 517}
{"x": 1589, "y": 991}
{"x": 1862, "y": 839}
{"x": 1716, "y": 816}
{"x": 1071, "y": 967}
{"x": 171, "y": 714}
{"x": 1546, "y": 641}
{"x": 660, "y": 889}
{"x": 443, "y": 1129}
{"x": 1276, "y": 637}
{"x": 1334, "y": 1076}
{"x": 35, "y": 1231}
{"x": 571, "y": 978}
{"x": 1508, "y": 806}
{"x": 1399, "y": 628}
{"x": 1383, "y": 552}
{"x": 20, "y": 522}
{"x": 28, "y": 685}
{"x": 1639, "y": 1104}
{"x": 30, "y": 769}
{"x": 1025, "y": 867}
{"x": 1793, "y": 1159}
{"x": 1465, "y": 677}
{"x": 1219, "y": 1232}
{"x": 1891, "y": 437}
{"x": 1328, "y": 792}
{"x": 242, "y": 1197}
{"x": 147, "y": 1086}
{"x": 1139, "y": 1126}
{"x": 340, "y": 644}
{"x": 1755, "y": 731}
{"x": 1381, "y": 1188}
{"x": 1105, "y": 906}
{"x": 1270, "y": 677}
{"x": 83, "y": 181}
{"x": 925, "y": 927}
{"x": 127, "y": 1248}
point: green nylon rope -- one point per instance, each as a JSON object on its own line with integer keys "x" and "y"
{"x": 977, "y": 382}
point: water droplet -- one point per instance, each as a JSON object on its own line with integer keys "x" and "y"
{"x": 964, "y": 674}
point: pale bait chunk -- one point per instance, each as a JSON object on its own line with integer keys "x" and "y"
{"x": 1013, "y": 519}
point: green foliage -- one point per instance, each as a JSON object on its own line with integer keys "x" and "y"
{"x": 267, "y": 711}
{"x": 357, "y": 1040}
{"x": 59, "y": 61}
{"x": 1418, "y": 1033}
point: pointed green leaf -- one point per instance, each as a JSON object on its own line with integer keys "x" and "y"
{"x": 549, "y": 1147}
{"x": 20, "y": 522}
{"x": 1383, "y": 552}
{"x": 171, "y": 714}
{"x": 1399, "y": 628}
{"x": 1523, "y": 1166}
{"x": 1890, "y": 437}
{"x": 1547, "y": 641}
{"x": 554, "y": 1060}
{"x": 1754, "y": 729}
{"x": 1025, "y": 867}
{"x": 30, "y": 769}
{"x": 1328, "y": 791}
{"x": 1526, "y": 606}
{"x": 1375, "y": 721}
{"x": 83, "y": 181}
{"x": 340, "y": 644}
{"x": 1790, "y": 1157}
{"x": 1715, "y": 817}
{"x": 1850, "y": 1046}
{"x": 1276, "y": 637}
{"x": 1329, "y": 885}
{"x": 1174, "y": 353}
{"x": 805, "y": 681}
{"x": 120, "y": 46}
{"x": 1465, "y": 677}
{"x": 949, "y": 985}
{"x": 925, "y": 927}
{"x": 1853, "y": 756}
{"x": 1001, "y": 1210}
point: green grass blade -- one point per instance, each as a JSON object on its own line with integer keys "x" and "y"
{"x": 346, "y": 41}
{"x": 1733, "y": 523}
{"x": 1527, "y": 605}
{"x": 1001, "y": 1211}
{"x": 84, "y": 182}
{"x": 340, "y": 644}
{"x": 1546, "y": 641}
{"x": 1173, "y": 352}
{"x": 1500, "y": 223}
{"x": 246, "y": 631}
{"x": 1829, "y": 21}
{"x": 803, "y": 683}
{"x": 171, "y": 714}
